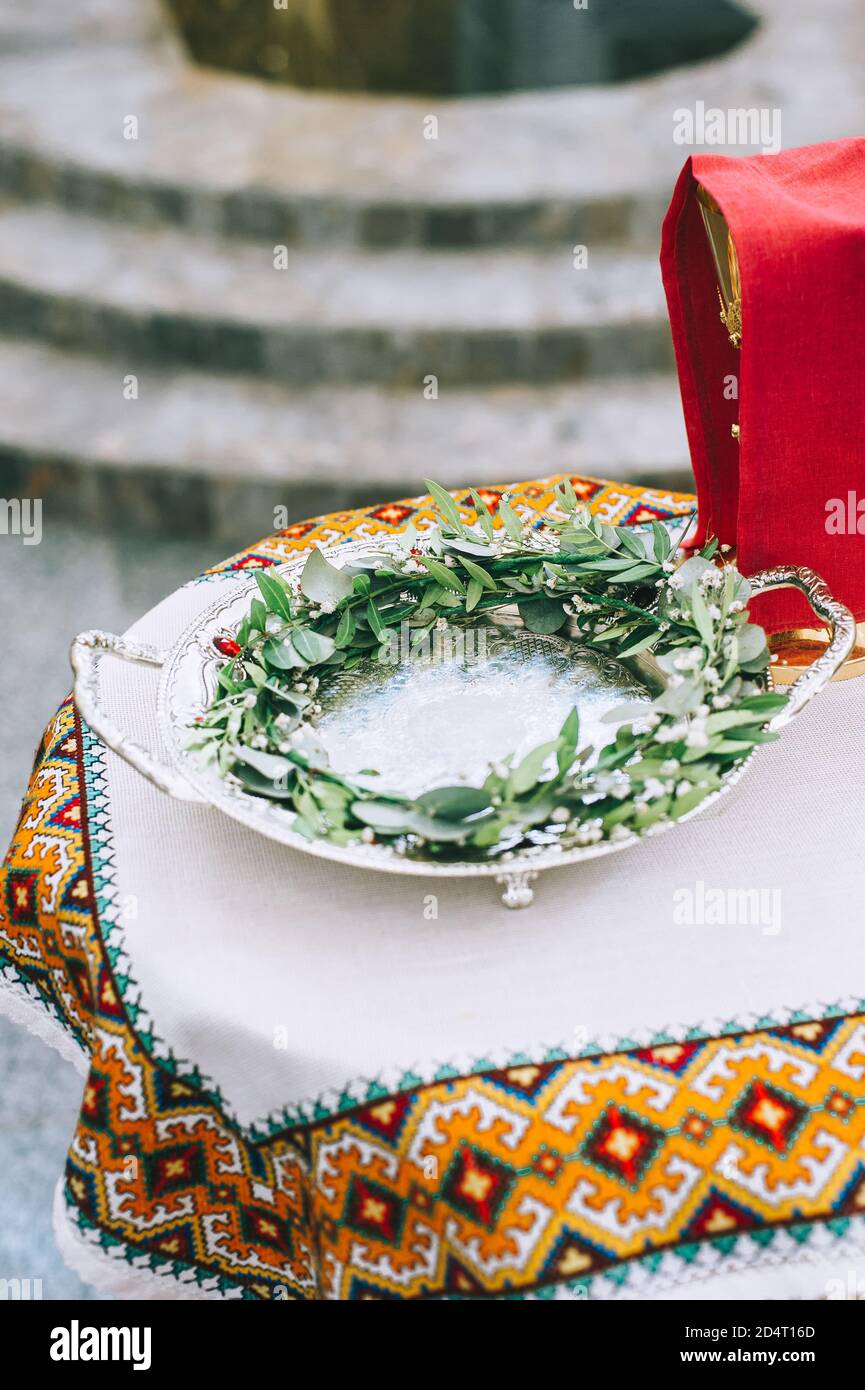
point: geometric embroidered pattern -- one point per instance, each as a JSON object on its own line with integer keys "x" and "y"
{"x": 549, "y": 1174}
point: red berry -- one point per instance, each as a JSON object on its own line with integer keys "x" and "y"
{"x": 227, "y": 646}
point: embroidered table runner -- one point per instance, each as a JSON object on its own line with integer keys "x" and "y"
{"x": 306, "y": 1081}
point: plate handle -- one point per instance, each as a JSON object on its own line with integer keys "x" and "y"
{"x": 84, "y": 654}
{"x": 836, "y": 616}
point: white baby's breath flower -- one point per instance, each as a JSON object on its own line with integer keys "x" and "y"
{"x": 688, "y": 658}
{"x": 589, "y": 833}
{"x": 647, "y": 724}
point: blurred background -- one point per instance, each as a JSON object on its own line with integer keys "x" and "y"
{"x": 301, "y": 254}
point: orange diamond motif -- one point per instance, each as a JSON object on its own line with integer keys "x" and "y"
{"x": 622, "y": 1144}
{"x": 769, "y": 1115}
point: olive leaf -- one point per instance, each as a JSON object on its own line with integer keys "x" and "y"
{"x": 701, "y": 617}
{"x": 527, "y": 772}
{"x": 311, "y": 646}
{"x": 322, "y": 582}
{"x": 464, "y": 547}
{"x": 661, "y": 544}
{"x": 510, "y": 520}
{"x": 266, "y": 764}
{"x": 750, "y": 643}
{"x": 346, "y": 628}
{"x": 275, "y": 593}
{"x": 485, "y": 516}
{"x": 543, "y": 615}
{"x": 474, "y": 594}
{"x": 274, "y": 789}
{"x": 482, "y": 576}
{"x": 283, "y": 656}
{"x": 446, "y": 577}
{"x": 630, "y": 541}
{"x": 454, "y": 803}
{"x": 445, "y": 503}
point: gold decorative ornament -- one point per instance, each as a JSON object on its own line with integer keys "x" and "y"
{"x": 726, "y": 265}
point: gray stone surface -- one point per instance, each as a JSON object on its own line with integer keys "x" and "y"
{"x": 224, "y": 151}
{"x": 331, "y": 315}
{"x": 25, "y": 24}
{"x": 214, "y": 455}
{"x": 407, "y": 257}
{"x": 40, "y": 1095}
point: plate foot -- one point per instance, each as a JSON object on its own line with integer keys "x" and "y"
{"x": 517, "y": 885}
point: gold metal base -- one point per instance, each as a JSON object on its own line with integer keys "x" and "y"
{"x": 793, "y": 651}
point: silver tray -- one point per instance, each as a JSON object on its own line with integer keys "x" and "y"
{"x": 417, "y": 721}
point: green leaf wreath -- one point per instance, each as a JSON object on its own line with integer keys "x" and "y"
{"x": 617, "y": 590}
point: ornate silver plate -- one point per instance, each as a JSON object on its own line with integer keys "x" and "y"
{"x": 459, "y": 704}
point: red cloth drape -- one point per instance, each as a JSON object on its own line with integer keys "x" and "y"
{"x": 798, "y": 223}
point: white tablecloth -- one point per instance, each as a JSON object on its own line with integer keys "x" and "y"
{"x": 292, "y": 984}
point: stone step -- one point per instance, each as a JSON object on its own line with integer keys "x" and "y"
{"x": 43, "y": 24}
{"x": 236, "y": 156}
{"x": 338, "y": 315}
{"x": 197, "y": 454}
{"x": 239, "y": 157}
